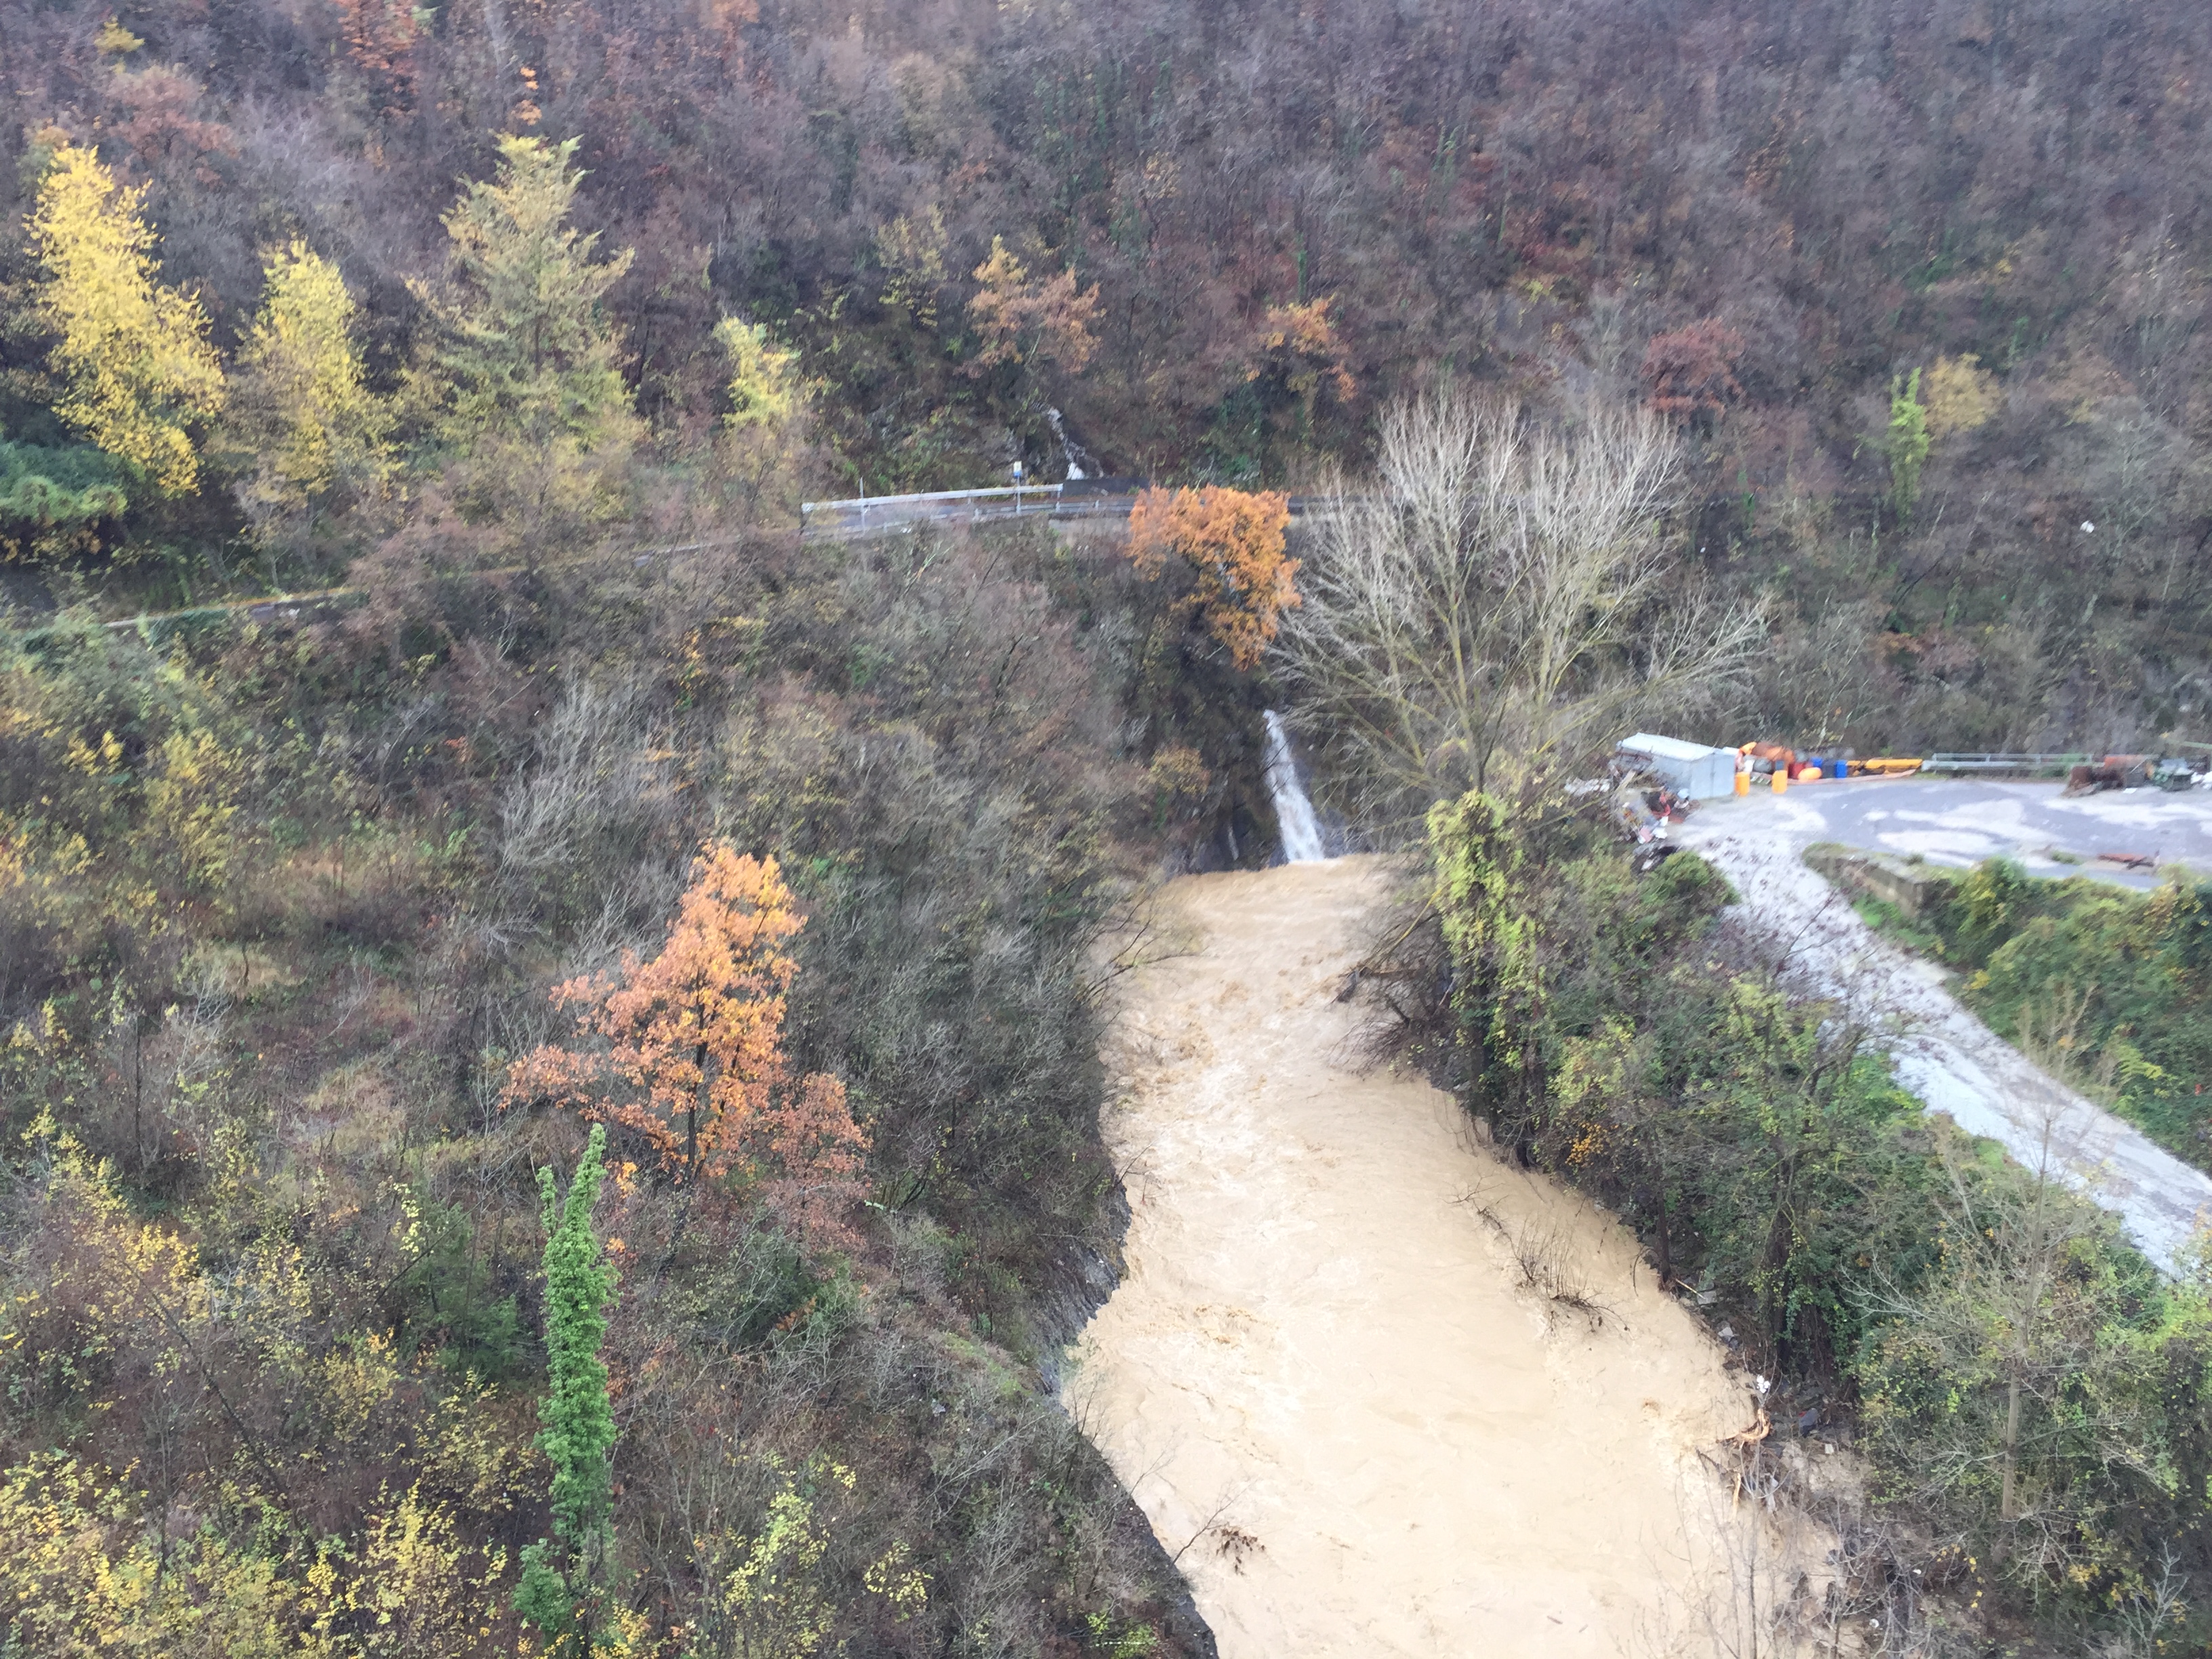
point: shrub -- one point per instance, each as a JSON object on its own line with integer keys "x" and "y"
{"x": 2132, "y": 968}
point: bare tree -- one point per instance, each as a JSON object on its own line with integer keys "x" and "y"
{"x": 582, "y": 834}
{"x": 2148, "y": 1611}
{"x": 1498, "y": 601}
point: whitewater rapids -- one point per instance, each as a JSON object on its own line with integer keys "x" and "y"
{"x": 1324, "y": 1376}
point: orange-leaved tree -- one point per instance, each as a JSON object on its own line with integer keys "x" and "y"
{"x": 1233, "y": 542}
{"x": 1302, "y": 351}
{"x": 687, "y": 1049}
{"x": 1019, "y": 317}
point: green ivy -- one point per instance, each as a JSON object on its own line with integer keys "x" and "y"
{"x": 565, "y": 1579}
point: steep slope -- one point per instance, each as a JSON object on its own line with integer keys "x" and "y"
{"x": 1327, "y": 1378}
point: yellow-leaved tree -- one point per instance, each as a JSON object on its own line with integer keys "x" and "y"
{"x": 191, "y": 835}
{"x": 775, "y": 1599}
{"x": 764, "y": 390}
{"x": 1024, "y": 320}
{"x": 763, "y": 431}
{"x": 137, "y": 370}
{"x": 1962, "y": 396}
{"x": 303, "y": 425}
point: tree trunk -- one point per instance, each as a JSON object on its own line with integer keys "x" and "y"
{"x": 138, "y": 1092}
{"x": 2007, "y": 1507}
{"x": 691, "y": 1117}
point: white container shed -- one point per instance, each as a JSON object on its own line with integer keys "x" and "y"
{"x": 1692, "y": 771}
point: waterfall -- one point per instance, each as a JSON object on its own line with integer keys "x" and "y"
{"x": 1301, "y": 842}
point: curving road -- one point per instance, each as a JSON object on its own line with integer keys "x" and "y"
{"x": 1943, "y": 1053}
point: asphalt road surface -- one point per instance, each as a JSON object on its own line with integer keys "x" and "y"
{"x": 1962, "y": 821}
{"x": 1943, "y": 1053}
{"x": 837, "y": 518}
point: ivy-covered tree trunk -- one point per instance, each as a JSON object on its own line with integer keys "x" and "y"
{"x": 566, "y": 1579}
{"x": 1496, "y": 980}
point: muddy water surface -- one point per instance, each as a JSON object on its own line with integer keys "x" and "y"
{"x": 1326, "y": 1377}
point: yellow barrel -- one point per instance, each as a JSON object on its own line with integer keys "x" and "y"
{"x": 1781, "y": 779}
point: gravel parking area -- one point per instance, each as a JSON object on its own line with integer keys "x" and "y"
{"x": 1962, "y": 821}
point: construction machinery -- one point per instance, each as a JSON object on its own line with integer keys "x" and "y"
{"x": 2175, "y": 774}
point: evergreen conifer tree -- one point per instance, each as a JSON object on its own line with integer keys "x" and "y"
{"x": 137, "y": 370}
{"x": 522, "y": 386}
{"x": 1906, "y": 441}
{"x": 303, "y": 422}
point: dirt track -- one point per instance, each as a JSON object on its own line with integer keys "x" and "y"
{"x": 1324, "y": 1376}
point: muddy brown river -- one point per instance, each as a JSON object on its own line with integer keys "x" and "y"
{"x": 1362, "y": 1424}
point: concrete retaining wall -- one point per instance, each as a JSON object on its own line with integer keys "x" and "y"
{"x": 1912, "y": 888}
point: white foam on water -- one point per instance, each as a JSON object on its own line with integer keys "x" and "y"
{"x": 1294, "y": 812}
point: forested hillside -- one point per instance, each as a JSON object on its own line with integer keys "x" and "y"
{"x": 1219, "y": 237}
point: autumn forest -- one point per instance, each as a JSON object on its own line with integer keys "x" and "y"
{"x": 548, "y": 1079}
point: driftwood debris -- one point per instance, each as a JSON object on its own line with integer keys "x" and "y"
{"x": 1761, "y": 1426}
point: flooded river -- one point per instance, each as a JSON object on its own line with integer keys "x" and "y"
{"x": 1328, "y": 1377}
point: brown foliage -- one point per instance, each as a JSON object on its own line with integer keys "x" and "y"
{"x": 1021, "y": 318}
{"x": 1304, "y": 347}
{"x": 163, "y": 126}
{"x": 687, "y": 1049}
{"x": 1692, "y": 371}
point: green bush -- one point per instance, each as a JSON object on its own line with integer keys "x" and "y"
{"x": 2109, "y": 987}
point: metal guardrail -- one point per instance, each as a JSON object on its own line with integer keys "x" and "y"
{"x": 862, "y": 514}
{"x": 2002, "y": 762}
{"x": 1040, "y": 490}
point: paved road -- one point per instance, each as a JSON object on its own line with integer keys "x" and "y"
{"x": 1943, "y": 1053}
{"x": 1962, "y": 821}
{"x": 841, "y": 518}
{"x": 837, "y": 520}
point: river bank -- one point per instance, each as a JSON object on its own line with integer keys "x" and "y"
{"x": 1943, "y": 1053}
